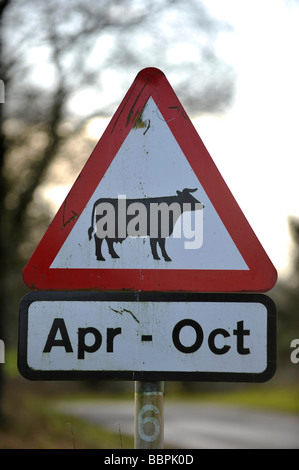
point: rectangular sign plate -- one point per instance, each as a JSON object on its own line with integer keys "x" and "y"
{"x": 147, "y": 336}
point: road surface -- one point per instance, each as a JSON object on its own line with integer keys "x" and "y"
{"x": 198, "y": 426}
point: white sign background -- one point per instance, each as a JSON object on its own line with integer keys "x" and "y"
{"x": 150, "y": 163}
{"x": 157, "y": 319}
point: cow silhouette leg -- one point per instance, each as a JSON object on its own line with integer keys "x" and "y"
{"x": 98, "y": 244}
{"x": 161, "y": 242}
{"x": 153, "y": 243}
{"x": 111, "y": 248}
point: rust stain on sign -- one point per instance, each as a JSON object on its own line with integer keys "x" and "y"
{"x": 140, "y": 123}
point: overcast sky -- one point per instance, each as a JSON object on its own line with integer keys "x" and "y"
{"x": 255, "y": 144}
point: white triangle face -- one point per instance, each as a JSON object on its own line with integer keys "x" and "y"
{"x": 151, "y": 164}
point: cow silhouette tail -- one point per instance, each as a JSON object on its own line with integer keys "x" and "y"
{"x": 90, "y": 232}
{"x": 91, "y": 228}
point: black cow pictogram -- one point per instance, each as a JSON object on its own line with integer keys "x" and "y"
{"x": 115, "y": 219}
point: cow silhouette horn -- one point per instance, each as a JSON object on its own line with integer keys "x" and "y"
{"x": 187, "y": 190}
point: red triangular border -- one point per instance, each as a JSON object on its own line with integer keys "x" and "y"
{"x": 261, "y": 275}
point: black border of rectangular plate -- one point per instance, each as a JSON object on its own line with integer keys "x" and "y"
{"x": 33, "y": 374}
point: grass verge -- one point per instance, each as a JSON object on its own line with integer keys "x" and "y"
{"x": 277, "y": 399}
{"x": 29, "y": 422}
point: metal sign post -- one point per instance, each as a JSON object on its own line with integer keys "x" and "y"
{"x": 149, "y": 415}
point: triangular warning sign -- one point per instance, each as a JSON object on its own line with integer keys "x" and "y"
{"x": 150, "y": 211}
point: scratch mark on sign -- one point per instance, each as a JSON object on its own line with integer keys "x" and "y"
{"x": 116, "y": 121}
{"x": 133, "y": 106}
{"x": 148, "y": 126}
{"x": 178, "y": 108}
{"x": 74, "y": 217}
{"x": 125, "y": 310}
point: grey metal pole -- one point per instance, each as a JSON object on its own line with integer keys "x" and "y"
{"x": 149, "y": 415}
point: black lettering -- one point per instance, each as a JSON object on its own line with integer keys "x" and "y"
{"x": 176, "y": 336}
{"x": 82, "y": 346}
{"x": 240, "y": 333}
{"x": 58, "y": 324}
{"x": 111, "y": 333}
{"x": 211, "y": 341}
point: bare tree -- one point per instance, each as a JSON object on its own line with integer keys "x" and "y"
{"x": 54, "y": 52}
{"x": 3, "y": 5}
